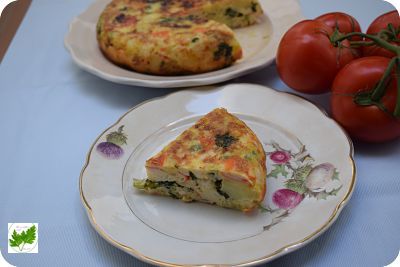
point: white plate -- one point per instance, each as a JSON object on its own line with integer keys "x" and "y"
{"x": 259, "y": 44}
{"x": 165, "y": 231}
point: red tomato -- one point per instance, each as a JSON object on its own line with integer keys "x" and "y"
{"x": 344, "y": 22}
{"x": 365, "y": 123}
{"x": 376, "y": 26}
{"x": 307, "y": 61}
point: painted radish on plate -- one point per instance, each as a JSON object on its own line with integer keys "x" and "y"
{"x": 111, "y": 149}
{"x": 319, "y": 177}
{"x": 286, "y": 198}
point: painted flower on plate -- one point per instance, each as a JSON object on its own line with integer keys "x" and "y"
{"x": 111, "y": 149}
{"x": 280, "y": 157}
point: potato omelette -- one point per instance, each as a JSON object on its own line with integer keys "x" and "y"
{"x": 174, "y": 37}
{"x": 219, "y": 160}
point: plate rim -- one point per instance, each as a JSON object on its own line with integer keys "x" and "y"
{"x": 176, "y": 83}
{"x": 277, "y": 253}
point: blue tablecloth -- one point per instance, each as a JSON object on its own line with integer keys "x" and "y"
{"x": 51, "y": 111}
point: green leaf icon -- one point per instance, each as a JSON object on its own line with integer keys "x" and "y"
{"x": 19, "y": 240}
{"x": 30, "y": 235}
{"x": 16, "y": 240}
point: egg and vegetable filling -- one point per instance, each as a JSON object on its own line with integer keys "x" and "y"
{"x": 172, "y": 37}
{"x": 219, "y": 160}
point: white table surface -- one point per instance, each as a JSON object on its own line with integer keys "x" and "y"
{"x": 51, "y": 111}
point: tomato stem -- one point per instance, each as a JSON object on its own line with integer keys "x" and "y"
{"x": 379, "y": 41}
{"x": 357, "y": 44}
{"x": 380, "y": 89}
{"x": 374, "y": 96}
{"x": 393, "y": 31}
{"x": 396, "y": 112}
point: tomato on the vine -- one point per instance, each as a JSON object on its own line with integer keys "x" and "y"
{"x": 345, "y": 23}
{"x": 379, "y": 24}
{"x": 307, "y": 60}
{"x": 368, "y": 123}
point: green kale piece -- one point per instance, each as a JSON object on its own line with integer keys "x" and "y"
{"x": 224, "y": 140}
{"x": 224, "y": 50}
{"x": 218, "y": 186}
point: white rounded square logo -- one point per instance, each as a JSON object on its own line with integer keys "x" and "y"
{"x": 23, "y": 237}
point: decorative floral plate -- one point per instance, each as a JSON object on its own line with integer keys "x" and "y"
{"x": 259, "y": 43}
{"x": 311, "y": 176}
